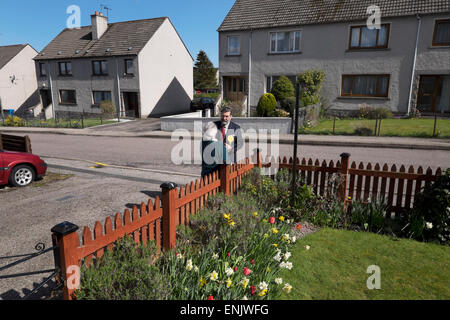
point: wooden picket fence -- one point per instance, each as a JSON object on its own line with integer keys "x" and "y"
{"x": 157, "y": 221}
{"x": 15, "y": 143}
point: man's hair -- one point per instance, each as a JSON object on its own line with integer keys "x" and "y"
{"x": 226, "y": 109}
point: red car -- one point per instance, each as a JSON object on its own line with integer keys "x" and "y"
{"x": 20, "y": 169}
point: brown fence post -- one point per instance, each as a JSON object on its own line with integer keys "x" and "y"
{"x": 169, "y": 215}
{"x": 66, "y": 239}
{"x": 345, "y": 160}
{"x": 224, "y": 175}
{"x": 1, "y": 142}
{"x": 258, "y": 158}
{"x": 28, "y": 145}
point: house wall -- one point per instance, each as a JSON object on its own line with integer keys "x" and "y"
{"x": 325, "y": 47}
{"x": 21, "y": 94}
{"x": 166, "y": 74}
{"x": 84, "y": 82}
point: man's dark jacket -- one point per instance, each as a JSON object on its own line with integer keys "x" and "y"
{"x": 235, "y": 131}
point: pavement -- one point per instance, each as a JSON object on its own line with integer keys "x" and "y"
{"x": 150, "y": 128}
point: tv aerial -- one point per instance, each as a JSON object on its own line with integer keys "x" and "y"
{"x": 105, "y": 7}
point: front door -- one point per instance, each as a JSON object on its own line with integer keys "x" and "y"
{"x": 234, "y": 88}
{"x": 434, "y": 93}
{"x": 131, "y": 104}
{"x": 45, "y": 98}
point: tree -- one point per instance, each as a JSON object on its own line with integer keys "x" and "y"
{"x": 204, "y": 72}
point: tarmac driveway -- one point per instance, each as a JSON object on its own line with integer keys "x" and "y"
{"x": 28, "y": 214}
{"x": 134, "y": 126}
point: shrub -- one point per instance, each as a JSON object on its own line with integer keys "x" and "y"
{"x": 125, "y": 273}
{"x": 367, "y": 112}
{"x": 280, "y": 113}
{"x": 266, "y": 105}
{"x": 430, "y": 219}
{"x": 14, "y": 121}
{"x": 283, "y": 88}
{"x": 288, "y": 104}
{"x": 369, "y": 215}
{"x": 237, "y": 109}
{"x": 363, "y": 131}
{"x": 311, "y": 82}
{"x": 107, "y": 107}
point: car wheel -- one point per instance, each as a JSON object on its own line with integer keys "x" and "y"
{"x": 21, "y": 176}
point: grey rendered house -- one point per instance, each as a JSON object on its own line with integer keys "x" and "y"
{"x": 18, "y": 88}
{"x": 402, "y": 64}
{"x": 142, "y": 66}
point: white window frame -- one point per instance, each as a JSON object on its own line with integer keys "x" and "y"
{"x": 228, "y": 45}
{"x": 300, "y": 31}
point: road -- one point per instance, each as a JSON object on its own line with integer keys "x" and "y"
{"x": 136, "y": 168}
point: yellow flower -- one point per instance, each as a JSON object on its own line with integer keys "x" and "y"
{"x": 227, "y": 216}
{"x": 255, "y": 214}
{"x": 214, "y": 276}
{"x": 275, "y": 245}
{"x": 264, "y": 220}
{"x": 274, "y": 230}
{"x": 202, "y": 282}
{"x": 244, "y": 282}
{"x": 229, "y": 282}
{"x": 263, "y": 292}
{"x": 268, "y": 270}
{"x": 281, "y": 218}
{"x": 231, "y": 222}
{"x": 266, "y": 235}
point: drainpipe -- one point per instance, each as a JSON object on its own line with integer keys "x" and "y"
{"x": 118, "y": 90}
{"x": 249, "y": 72}
{"x": 51, "y": 90}
{"x": 419, "y": 23}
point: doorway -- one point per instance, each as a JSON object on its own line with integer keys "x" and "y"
{"x": 434, "y": 93}
{"x": 234, "y": 88}
{"x": 131, "y": 104}
{"x": 45, "y": 98}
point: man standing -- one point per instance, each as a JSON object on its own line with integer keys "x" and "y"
{"x": 231, "y": 135}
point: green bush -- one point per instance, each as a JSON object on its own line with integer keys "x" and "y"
{"x": 311, "y": 82}
{"x": 283, "y": 88}
{"x": 14, "y": 121}
{"x": 369, "y": 215}
{"x": 125, "y": 273}
{"x": 430, "y": 219}
{"x": 266, "y": 105}
{"x": 107, "y": 107}
{"x": 288, "y": 104}
{"x": 368, "y": 112}
{"x": 363, "y": 131}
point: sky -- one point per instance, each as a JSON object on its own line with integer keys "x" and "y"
{"x": 38, "y": 22}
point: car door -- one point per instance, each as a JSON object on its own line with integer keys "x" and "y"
{"x": 2, "y": 166}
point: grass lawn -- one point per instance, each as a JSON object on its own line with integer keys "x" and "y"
{"x": 389, "y": 127}
{"x": 51, "y": 123}
{"x": 334, "y": 268}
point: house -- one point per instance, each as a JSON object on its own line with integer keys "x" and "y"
{"x": 402, "y": 64}
{"x": 143, "y": 67}
{"x": 18, "y": 88}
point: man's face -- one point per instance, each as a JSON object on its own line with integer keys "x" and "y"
{"x": 226, "y": 118}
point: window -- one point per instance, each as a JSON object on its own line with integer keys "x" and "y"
{"x": 441, "y": 35}
{"x": 100, "y": 96}
{"x": 65, "y": 68}
{"x": 67, "y": 97}
{"x": 129, "y": 66}
{"x": 234, "y": 45}
{"x": 100, "y": 68}
{"x": 362, "y": 37}
{"x": 42, "y": 70}
{"x": 285, "y": 42}
{"x": 271, "y": 79}
{"x": 365, "y": 85}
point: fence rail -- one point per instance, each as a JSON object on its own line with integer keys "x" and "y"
{"x": 158, "y": 221}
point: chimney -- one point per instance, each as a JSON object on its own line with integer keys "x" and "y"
{"x": 99, "y": 24}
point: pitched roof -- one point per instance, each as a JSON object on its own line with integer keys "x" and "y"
{"x": 9, "y": 52}
{"x": 256, "y": 14}
{"x": 118, "y": 38}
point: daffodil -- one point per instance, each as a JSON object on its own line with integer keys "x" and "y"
{"x": 275, "y": 245}
{"x": 287, "y": 288}
{"x": 429, "y": 225}
{"x": 281, "y": 218}
{"x": 244, "y": 282}
{"x": 286, "y": 237}
{"x": 189, "y": 265}
{"x": 265, "y": 235}
{"x": 262, "y": 292}
{"x": 268, "y": 270}
{"x": 215, "y": 256}
{"x": 229, "y": 271}
{"x": 263, "y": 285}
{"x": 287, "y": 255}
{"x": 255, "y": 214}
{"x": 227, "y": 216}
{"x": 202, "y": 282}
{"x": 229, "y": 282}
{"x": 214, "y": 276}
{"x": 275, "y": 230}
{"x": 278, "y": 280}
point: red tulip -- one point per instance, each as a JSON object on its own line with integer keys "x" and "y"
{"x": 228, "y": 254}
{"x": 247, "y": 271}
{"x": 272, "y": 220}
{"x": 252, "y": 261}
{"x": 211, "y": 298}
{"x": 235, "y": 269}
{"x": 253, "y": 289}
